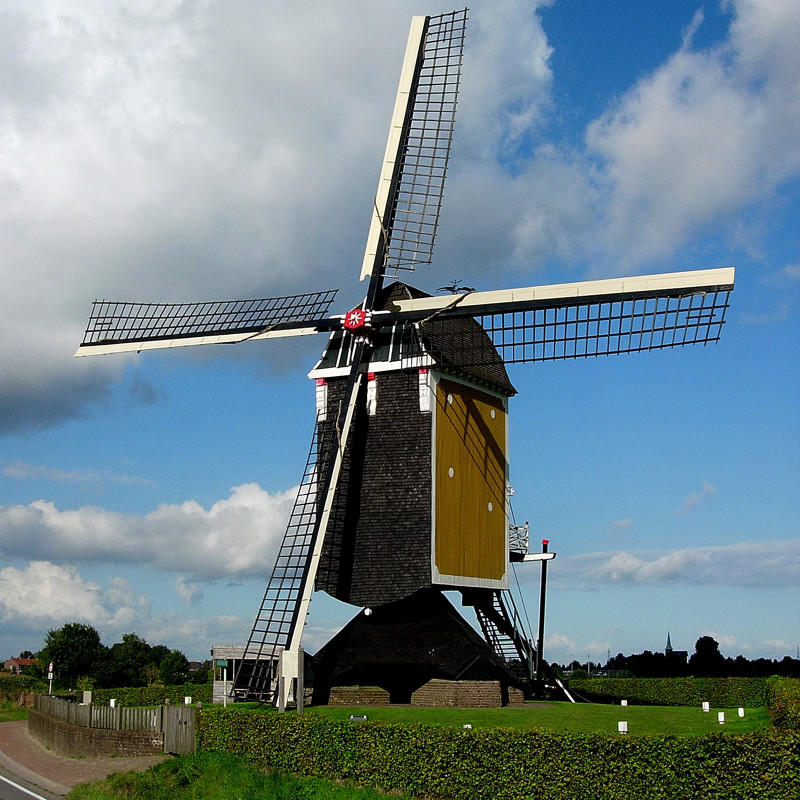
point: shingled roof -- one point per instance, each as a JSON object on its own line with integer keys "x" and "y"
{"x": 460, "y": 346}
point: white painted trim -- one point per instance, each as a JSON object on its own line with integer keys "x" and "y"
{"x": 425, "y": 388}
{"x": 433, "y": 382}
{"x": 393, "y": 144}
{"x": 372, "y": 395}
{"x": 537, "y": 557}
{"x": 575, "y": 291}
{"x": 375, "y": 366}
{"x": 440, "y": 579}
{"x": 321, "y": 400}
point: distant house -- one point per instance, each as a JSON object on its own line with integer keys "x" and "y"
{"x": 681, "y": 655}
{"x": 16, "y": 665}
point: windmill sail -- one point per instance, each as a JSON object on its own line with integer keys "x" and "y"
{"x": 410, "y": 191}
{"x": 117, "y": 327}
{"x": 577, "y": 320}
{"x": 409, "y": 196}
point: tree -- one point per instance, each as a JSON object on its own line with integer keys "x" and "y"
{"x": 174, "y": 668}
{"x": 707, "y": 661}
{"x": 75, "y": 650}
{"x": 157, "y": 653}
{"x": 129, "y": 661}
{"x": 203, "y": 674}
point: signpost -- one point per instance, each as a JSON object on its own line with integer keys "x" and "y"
{"x": 50, "y": 676}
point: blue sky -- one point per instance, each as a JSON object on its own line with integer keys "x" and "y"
{"x": 169, "y": 151}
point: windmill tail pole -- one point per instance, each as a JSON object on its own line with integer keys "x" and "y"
{"x": 540, "y": 639}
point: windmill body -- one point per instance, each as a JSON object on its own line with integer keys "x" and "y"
{"x": 405, "y": 489}
{"x": 423, "y": 502}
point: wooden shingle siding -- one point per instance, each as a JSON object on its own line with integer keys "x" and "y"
{"x": 378, "y": 546}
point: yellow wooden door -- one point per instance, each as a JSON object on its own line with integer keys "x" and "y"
{"x": 470, "y": 473}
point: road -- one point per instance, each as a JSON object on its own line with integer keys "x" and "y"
{"x": 11, "y": 789}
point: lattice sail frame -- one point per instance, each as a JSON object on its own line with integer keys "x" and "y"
{"x": 588, "y": 329}
{"x": 119, "y": 326}
{"x": 408, "y": 201}
{"x": 579, "y": 320}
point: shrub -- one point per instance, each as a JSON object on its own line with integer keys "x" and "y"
{"x": 719, "y": 692}
{"x": 784, "y": 703}
{"x": 12, "y": 686}
{"x": 153, "y": 695}
{"x": 506, "y": 764}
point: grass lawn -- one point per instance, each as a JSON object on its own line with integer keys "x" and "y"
{"x": 574, "y": 718}
{"x": 10, "y": 711}
{"x": 217, "y": 776}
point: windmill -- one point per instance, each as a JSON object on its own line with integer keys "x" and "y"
{"x": 405, "y": 490}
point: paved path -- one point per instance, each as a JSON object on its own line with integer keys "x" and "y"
{"x": 24, "y": 758}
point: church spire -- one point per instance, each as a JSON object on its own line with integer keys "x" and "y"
{"x": 668, "y": 648}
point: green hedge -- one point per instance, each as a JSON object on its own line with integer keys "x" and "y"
{"x": 719, "y": 692}
{"x": 784, "y": 703}
{"x": 12, "y": 686}
{"x": 153, "y": 695}
{"x": 506, "y": 764}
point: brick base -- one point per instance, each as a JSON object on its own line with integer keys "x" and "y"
{"x": 73, "y": 740}
{"x": 464, "y": 694}
{"x": 358, "y": 696}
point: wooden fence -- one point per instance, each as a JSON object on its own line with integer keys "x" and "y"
{"x": 175, "y": 722}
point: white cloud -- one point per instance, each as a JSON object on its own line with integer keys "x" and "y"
{"x": 558, "y": 641}
{"x": 779, "y": 644}
{"x": 167, "y": 135}
{"x": 186, "y": 137}
{"x": 749, "y": 564}
{"x": 697, "y": 498}
{"x": 188, "y": 591}
{"x": 791, "y": 272}
{"x": 502, "y": 100}
{"x": 22, "y": 471}
{"x": 726, "y": 642}
{"x": 622, "y": 524}
{"x": 46, "y": 595}
{"x": 195, "y": 637}
{"x": 237, "y": 536}
{"x": 702, "y": 136}
{"x": 43, "y": 596}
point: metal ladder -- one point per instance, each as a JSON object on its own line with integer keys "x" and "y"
{"x": 502, "y": 628}
{"x": 256, "y": 678}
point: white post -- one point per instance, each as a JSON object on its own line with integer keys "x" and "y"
{"x": 706, "y": 706}
{"x": 289, "y": 669}
{"x": 741, "y": 712}
{"x": 224, "y": 687}
{"x": 622, "y": 727}
{"x": 281, "y": 694}
{"x": 721, "y": 717}
{"x": 300, "y": 691}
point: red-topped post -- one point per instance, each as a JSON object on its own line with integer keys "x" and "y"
{"x": 540, "y": 640}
